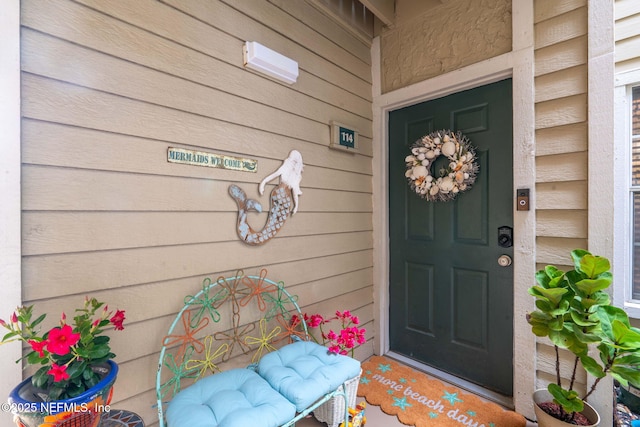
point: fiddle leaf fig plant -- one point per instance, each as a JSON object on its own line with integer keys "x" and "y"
{"x": 574, "y": 311}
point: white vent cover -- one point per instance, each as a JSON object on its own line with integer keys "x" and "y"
{"x": 262, "y": 59}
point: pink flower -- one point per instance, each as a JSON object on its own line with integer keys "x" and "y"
{"x": 344, "y": 315}
{"x": 315, "y": 320}
{"x": 355, "y": 320}
{"x": 38, "y": 346}
{"x": 117, "y": 320}
{"x": 14, "y": 318}
{"x": 361, "y": 338}
{"x": 61, "y": 339}
{"x": 334, "y": 349}
{"x": 331, "y": 335}
{"x": 59, "y": 372}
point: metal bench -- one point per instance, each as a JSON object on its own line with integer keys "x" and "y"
{"x": 251, "y": 328}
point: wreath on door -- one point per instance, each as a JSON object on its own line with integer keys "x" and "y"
{"x": 459, "y": 174}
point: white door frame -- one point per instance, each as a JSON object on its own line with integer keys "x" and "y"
{"x": 10, "y": 233}
{"x": 517, "y": 64}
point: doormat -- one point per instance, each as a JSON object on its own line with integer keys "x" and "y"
{"x": 422, "y": 401}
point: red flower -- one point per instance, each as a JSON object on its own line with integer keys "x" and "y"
{"x": 294, "y": 321}
{"x": 59, "y": 372}
{"x": 61, "y": 339}
{"x": 117, "y": 320}
{"x": 38, "y": 346}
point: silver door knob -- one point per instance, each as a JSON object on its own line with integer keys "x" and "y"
{"x": 504, "y": 261}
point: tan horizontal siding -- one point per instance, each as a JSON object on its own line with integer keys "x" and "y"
{"x": 62, "y": 232}
{"x": 113, "y": 269}
{"x": 546, "y": 9}
{"x": 561, "y": 84}
{"x": 567, "y": 54}
{"x": 561, "y": 139}
{"x": 627, "y": 50}
{"x": 561, "y": 114}
{"x": 560, "y": 28}
{"x": 557, "y": 250}
{"x": 627, "y": 27}
{"x": 562, "y": 195}
{"x": 49, "y": 188}
{"x": 63, "y": 145}
{"x": 562, "y": 167}
{"x": 108, "y": 87}
{"x": 314, "y": 18}
{"x": 561, "y": 223}
{"x": 303, "y": 34}
{"x": 626, "y": 8}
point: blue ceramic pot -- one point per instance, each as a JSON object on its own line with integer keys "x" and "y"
{"x": 30, "y": 408}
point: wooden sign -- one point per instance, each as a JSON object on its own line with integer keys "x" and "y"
{"x": 211, "y": 160}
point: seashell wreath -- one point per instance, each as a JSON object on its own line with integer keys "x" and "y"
{"x": 458, "y": 176}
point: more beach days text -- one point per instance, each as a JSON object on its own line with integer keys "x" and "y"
{"x": 434, "y": 405}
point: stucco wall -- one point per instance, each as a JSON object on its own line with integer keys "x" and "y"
{"x": 108, "y": 86}
{"x": 443, "y": 38}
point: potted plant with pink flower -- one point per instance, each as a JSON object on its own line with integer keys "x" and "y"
{"x": 75, "y": 371}
{"x": 343, "y": 341}
{"x": 341, "y": 335}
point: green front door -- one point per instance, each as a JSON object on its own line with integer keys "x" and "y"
{"x": 451, "y": 303}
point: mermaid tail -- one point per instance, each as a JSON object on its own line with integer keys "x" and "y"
{"x": 279, "y": 212}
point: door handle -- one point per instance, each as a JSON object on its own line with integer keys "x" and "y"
{"x": 504, "y": 261}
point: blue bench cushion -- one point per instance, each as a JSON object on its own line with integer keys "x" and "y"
{"x": 305, "y": 371}
{"x": 235, "y": 398}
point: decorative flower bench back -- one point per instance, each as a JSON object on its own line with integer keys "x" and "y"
{"x": 233, "y": 322}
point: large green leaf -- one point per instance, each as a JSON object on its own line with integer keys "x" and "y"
{"x": 591, "y": 286}
{"x": 585, "y": 336}
{"x": 581, "y": 320}
{"x": 568, "y": 399}
{"x": 576, "y": 256}
{"x": 9, "y": 335}
{"x": 593, "y": 265}
{"x": 99, "y": 352}
{"x": 40, "y": 378}
{"x": 592, "y": 366}
{"x": 76, "y": 368}
{"x": 38, "y": 320}
{"x": 542, "y": 278}
{"x": 625, "y": 337}
{"x": 625, "y": 374}
{"x": 632, "y": 360}
{"x": 607, "y": 315}
{"x": 566, "y": 339}
{"x": 553, "y": 295}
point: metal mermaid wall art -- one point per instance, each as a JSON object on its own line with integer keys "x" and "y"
{"x": 284, "y": 201}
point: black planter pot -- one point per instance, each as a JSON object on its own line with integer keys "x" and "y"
{"x": 630, "y": 397}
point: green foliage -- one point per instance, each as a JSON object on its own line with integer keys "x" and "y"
{"x": 69, "y": 353}
{"x": 574, "y": 311}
